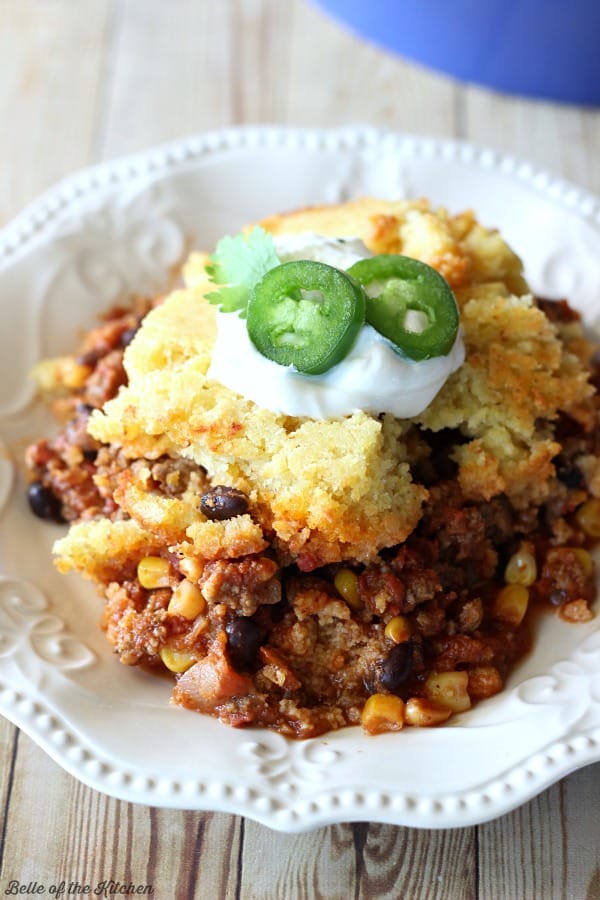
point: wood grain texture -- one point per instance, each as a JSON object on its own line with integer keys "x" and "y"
{"x": 88, "y": 80}
{"x": 77, "y": 834}
{"x": 334, "y": 78}
{"x": 8, "y": 751}
{"x": 563, "y": 139}
{"x": 51, "y": 61}
{"x": 557, "y": 854}
{"x": 167, "y": 73}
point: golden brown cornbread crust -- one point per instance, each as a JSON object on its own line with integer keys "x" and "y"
{"x": 322, "y": 492}
{"x": 459, "y": 247}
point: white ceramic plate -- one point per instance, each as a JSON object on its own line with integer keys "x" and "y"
{"x": 120, "y": 228}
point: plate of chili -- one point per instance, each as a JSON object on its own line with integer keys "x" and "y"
{"x": 123, "y": 228}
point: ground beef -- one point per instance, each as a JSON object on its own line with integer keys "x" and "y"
{"x": 243, "y": 585}
{"x": 65, "y": 467}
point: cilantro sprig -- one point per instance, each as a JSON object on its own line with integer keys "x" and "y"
{"x": 237, "y": 265}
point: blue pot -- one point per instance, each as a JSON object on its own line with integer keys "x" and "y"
{"x": 542, "y": 48}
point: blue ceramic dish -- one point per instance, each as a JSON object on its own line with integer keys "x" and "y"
{"x": 542, "y": 48}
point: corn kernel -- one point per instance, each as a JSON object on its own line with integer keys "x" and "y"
{"x": 191, "y": 568}
{"x": 522, "y": 567}
{"x": 398, "y": 630}
{"x": 484, "y": 681}
{"x": 51, "y": 375}
{"x": 425, "y": 713}
{"x": 382, "y": 712}
{"x": 511, "y": 603}
{"x": 585, "y": 561}
{"x": 187, "y": 601}
{"x": 74, "y": 374}
{"x": 588, "y": 517}
{"x": 346, "y": 584}
{"x": 154, "y": 572}
{"x": 176, "y": 660}
{"x": 449, "y": 689}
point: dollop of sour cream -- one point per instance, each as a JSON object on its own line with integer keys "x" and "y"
{"x": 373, "y": 377}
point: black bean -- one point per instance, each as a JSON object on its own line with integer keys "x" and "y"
{"x": 244, "y": 638}
{"x": 571, "y": 476}
{"x": 397, "y": 667}
{"x": 223, "y": 502}
{"x": 90, "y": 358}
{"x": 43, "y": 503}
{"x": 558, "y": 597}
{"x": 128, "y": 335}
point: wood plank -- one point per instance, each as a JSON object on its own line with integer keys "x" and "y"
{"x": 8, "y": 750}
{"x": 406, "y": 862}
{"x": 169, "y": 74}
{"x": 248, "y": 61}
{"x": 560, "y": 138}
{"x": 51, "y": 57}
{"x": 320, "y": 864}
{"x": 580, "y": 803}
{"x": 522, "y": 851}
{"x": 78, "y": 834}
{"x": 8, "y": 734}
{"x": 549, "y": 848}
{"x": 361, "y": 861}
{"x": 261, "y": 33}
{"x": 335, "y": 77}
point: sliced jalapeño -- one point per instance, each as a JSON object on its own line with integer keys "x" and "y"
{"x": 305, "y": 314}
{"x": 409, "y": 303}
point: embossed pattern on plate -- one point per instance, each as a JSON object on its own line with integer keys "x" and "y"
{"x": 124, "y": 227}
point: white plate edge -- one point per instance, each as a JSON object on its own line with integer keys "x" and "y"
{"x": 36, "y": 222}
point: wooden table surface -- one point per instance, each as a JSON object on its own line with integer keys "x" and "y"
{"x": 87, "y": 80}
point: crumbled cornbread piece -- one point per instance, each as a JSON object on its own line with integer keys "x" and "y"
{"x": 104, "y": 550}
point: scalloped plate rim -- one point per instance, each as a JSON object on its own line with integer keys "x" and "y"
{"x": 37, "y": 222}
{"x": 178, "y": 152}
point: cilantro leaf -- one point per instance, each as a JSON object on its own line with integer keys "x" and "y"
{"x": 237, "y": 265}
